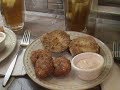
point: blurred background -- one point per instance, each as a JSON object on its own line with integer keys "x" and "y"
{"x": 106, "y": 8}
{"x": 110, "y": 2}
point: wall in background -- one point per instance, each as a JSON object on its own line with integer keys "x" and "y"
{"x": 53, "y": 6}
{"x": 56, "y": 6}
{"x": 110, "y": 2}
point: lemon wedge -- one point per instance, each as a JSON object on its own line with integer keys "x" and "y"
{"x": 69, "y": 15}
{"x": 9, "y": 3}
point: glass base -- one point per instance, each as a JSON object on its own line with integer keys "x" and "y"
{"x": 77, "y": 30}
{"x": 85, "y": 30}
{"x": 16, "y": 28}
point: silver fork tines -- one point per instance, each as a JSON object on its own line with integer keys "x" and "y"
{"x": 26, "y": 38}
{"x": 116, "y": 51}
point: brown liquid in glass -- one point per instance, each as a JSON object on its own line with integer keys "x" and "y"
{"x": 14, "y": 15}
{"x": 77, "y": 12}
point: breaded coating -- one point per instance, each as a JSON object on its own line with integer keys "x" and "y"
{"x": 42, "y": 54}
{"x": 62, "y": 66}
{"x": 44, "y": 68}
{"x": 56, "y": 41}
{"x": 1, "y": 29}
{"x": 83, "y": 44}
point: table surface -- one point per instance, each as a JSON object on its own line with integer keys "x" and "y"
{"x": 106, "y": 30}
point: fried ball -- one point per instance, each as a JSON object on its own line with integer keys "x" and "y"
{"x": 42, "y": 54}
{"x": 62, "y": 66}
{"x": 56, "y": 41}
{"x": 44, "y": 68}
{"x": 1, "y": 29}
{"x": 83, "y": 44}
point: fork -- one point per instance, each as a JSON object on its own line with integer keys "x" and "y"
{"x": 24, "y": 42}
{"x": 116, "y": 51}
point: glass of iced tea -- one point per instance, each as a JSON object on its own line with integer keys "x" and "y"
{"x": 76, "y": 14}
{"x": 13, "y": 13}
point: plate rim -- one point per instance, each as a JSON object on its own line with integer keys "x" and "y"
{"x": 48, "y": 86}
{"x": 15, "y": 42}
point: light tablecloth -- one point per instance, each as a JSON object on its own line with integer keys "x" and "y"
{"x": 113, "y": 81}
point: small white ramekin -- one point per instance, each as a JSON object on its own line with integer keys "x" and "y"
{"x": 2, "y": 42}
{"x": 88, "y": 74}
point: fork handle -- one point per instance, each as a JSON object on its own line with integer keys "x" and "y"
{"x": 10, "y": 69}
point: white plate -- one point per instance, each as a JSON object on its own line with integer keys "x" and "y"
{"x": 70, "y": 82}
{"x": 10, "y": 43}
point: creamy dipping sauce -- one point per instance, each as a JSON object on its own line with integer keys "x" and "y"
{"x": 88, "y": 62}
{"x": 88, "y": 65}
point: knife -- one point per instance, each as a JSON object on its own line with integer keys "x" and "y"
{"x": 9, "y": 72}
{"x": 24, "y": 43}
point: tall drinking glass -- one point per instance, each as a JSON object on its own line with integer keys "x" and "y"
{"x": 76, "y": 14}
{"x": 13, "y": 13}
